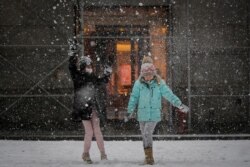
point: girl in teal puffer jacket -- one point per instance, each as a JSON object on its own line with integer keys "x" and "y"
{"x": 146, "y": 96}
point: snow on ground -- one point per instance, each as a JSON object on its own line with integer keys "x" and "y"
{"x": 126, "y": 153}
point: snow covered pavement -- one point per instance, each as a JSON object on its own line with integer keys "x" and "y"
{"x": 193, "y": 153}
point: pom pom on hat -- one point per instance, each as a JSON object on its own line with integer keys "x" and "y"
{"x": 147, "y": 59}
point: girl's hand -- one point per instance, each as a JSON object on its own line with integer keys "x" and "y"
{"x": 184, "y": 108}
{"x": 127, "y": 117}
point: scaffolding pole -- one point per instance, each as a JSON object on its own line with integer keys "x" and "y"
{"x": 188, "y": 68}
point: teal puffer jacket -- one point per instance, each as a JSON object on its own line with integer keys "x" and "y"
{"x": 148, "y": 99}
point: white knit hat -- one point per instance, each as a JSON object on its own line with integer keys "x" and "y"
{"x": 148, "y": 69}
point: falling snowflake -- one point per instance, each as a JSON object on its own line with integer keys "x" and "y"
{"x": 92, "y": 43}
{"x": 122, "y": 11}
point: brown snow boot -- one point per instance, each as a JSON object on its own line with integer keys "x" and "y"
{"x": 86, "y": 158}
{"x": 149, "y": 159}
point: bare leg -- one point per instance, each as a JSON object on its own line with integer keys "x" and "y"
{"x": 98, "y": 133}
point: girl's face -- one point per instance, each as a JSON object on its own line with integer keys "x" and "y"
{"x": 148, "y": 77}
{"x": 89, "y": 69}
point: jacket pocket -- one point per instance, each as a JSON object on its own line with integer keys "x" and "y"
{"x": 156, "y": 113}
{"x": 143, "y": 114}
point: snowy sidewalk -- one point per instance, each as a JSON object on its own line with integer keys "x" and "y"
{"x": 205, "y": 153}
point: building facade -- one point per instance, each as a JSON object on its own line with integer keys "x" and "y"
{"x": 201, "y": 49}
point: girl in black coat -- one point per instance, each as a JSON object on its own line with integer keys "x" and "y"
{"x": 85, "y": 107}
{"x": 85, "y": 87}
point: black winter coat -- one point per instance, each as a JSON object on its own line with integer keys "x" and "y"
{"x": 86, "y": 93}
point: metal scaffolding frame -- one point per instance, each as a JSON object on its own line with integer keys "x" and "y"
{"x": 35, "y": 85}
{"x": 31, "y": 12}
{"x": 189, "y": 67}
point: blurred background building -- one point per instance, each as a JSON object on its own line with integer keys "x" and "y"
{"x": 200, "y": 47}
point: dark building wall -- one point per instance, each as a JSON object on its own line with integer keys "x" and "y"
{"x": 210, "y": 37}
{"x": 35, "y": 85}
